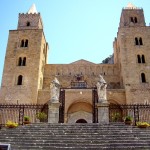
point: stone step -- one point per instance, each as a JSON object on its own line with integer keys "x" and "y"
{"x": 82, "y": 135}
{"x": 85, "y": 148}
{"x": 76, "y": 136}
{"x": 31, "y": 140}
{"x": 82, "y": 146}
{"x": 79, "y": 125}
{"x": 125, "y": 139}
{"x": 44, "y": 128}
{"x": 77, "y": 130}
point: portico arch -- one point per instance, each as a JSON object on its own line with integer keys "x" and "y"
{"x": 78, "y": 111}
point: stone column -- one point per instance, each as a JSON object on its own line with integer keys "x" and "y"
{"x": 53, "y": 112}
{"x": 103, "y": 113}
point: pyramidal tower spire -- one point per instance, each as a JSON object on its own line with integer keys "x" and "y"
{"x": 32, "y": 10}
{"x": 131, "y": 6}
{"x": 30, "y": 20}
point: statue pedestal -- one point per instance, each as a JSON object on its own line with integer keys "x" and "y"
{"x": 53, "y": 112}
{"x": 103, "y": 113}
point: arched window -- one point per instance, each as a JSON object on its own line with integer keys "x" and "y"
{"x": 135, "y": 19}
{"x": 131, "y": 18}
{"x": 28, "y": 23}
{"x": 143, "y": 78}
{"x": 26, "y": 43}
{"x": 22, "y": 43}
{"x": 143, "y": 59}
{"x": 139, "y": 58}
{"x": 20, "y": 61}
{"x": 136, "y": 41}
{"x": 140, "y": 41}
{"x": 24, "y": 61}
{"x": 20, "y": 78}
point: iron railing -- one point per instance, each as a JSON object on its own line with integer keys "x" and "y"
{"x": 117, "y": 113}
{"x": 139, "y": 113}
{"x": 16, "y": 113}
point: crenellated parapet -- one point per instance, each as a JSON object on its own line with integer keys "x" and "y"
{"x": 30, "y": 21}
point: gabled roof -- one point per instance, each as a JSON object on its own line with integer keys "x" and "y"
{"x": 32, "y": 9}
{"x": 82, "y": 62}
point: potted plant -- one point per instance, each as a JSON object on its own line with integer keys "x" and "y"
{"x": 26, "y": 120}
{"x": 41, "y": 116}
{"x": 128, "y": 120}
{"x": 142, "y": 124}
{"x": 11, "y": 124}
{"x": 116, "y": 117}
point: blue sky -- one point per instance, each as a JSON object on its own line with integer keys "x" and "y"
{"x": 74, "y": 29}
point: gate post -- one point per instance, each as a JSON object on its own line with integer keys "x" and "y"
{"x": 102, "y": 105}
{"x": 53, "y": 112}
{"x": 103, "y": 113}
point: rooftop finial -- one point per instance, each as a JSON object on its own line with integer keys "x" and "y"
{"x": 32, "y": 9}
{"x": 130, "y": 5}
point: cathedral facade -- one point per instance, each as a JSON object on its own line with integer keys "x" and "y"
{"x": 27, "y": 75}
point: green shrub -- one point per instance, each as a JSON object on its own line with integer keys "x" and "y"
{"x": 128, "y": 118}
{"x": 41, "y": 116}
{"x": 26, "y": 118}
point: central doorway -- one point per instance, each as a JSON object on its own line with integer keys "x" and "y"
{"x": 81, "y": 121}
{"x": 77, "y": 104}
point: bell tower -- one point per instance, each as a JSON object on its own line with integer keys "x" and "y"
{"x": 26, "y": 56}
{"x": 132, "y": 16}
{"x": 133, "y": 56}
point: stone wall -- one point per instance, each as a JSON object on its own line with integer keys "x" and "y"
{"x": 32, "y": 72}
{"x": 66, "y": 73}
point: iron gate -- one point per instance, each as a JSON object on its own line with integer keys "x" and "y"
{"x": 95, "y": 109}
{"x": 62, "y": 106}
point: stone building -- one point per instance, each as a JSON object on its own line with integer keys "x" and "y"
{"x": 27, "y": 75}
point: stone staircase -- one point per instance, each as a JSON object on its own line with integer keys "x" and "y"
{"x": 42, "y": 136}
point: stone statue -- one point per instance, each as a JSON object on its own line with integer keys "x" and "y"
{"x": 55, "y": 89}
{"x": 101, "y": 90}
